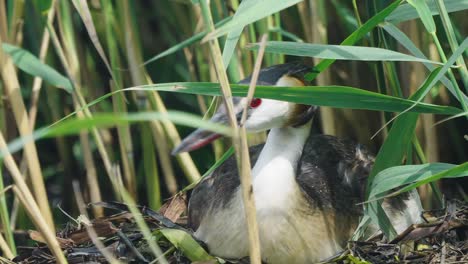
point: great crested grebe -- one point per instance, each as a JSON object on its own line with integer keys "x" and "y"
{"x": 306, "y": 187}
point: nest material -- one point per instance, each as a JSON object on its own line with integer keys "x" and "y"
{"x": 443, "y": 238}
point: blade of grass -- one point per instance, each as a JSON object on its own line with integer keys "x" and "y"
{"x": 425, "y": 15}
{"x": 422, "y": 158}
{"x": 337, "y": 52}
{"x": 234, "y": 35}
{"x": 455, "y": 172}
{"x": 399, "y": 176}
{"x": 74, "y": 126}
{"x": 83, "y": 10}
{"x": 409, "y": 45}
{"x": 192, "y": 40}
{"x": 452, "y": 40}
{"x": 439, "y": 75}
{"x": 185, "y": 242}
{"x": 356, "y": 36}
{"x": 29, "y": 63}
{"x": 335, "y": 96}
{"x": 392, "y": 153}
{"x": 257, "y": 10}
{"x": 406, "y": 12}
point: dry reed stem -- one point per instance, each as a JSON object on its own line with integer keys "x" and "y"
{"x": 13, "y": 93}
{"x": 139, "y": 77}
{"x": 239, "y": 139}
{"x": 318, "y": 34}
{"x": 125, "y": 145}
{"x": 163, "y": 153}
{"x": 91, "y": 175}
{"x": 80, "y": 101}
{"x": 24, "y": 194}
{"x": 184, "y": 159}
{"x": 3, "y": 20}
{"x": 5, "y": 248}
{"x": 37, "y": 83}
{"x": 245, "y": 166}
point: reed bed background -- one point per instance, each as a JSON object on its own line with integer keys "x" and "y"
{"x": 65, "y": 66}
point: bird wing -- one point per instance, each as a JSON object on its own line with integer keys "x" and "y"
{"x": 217, "y": 189}
{"x": 332, "y": 173}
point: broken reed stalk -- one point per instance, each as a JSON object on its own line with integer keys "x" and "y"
{"x": 239, "y": 139}
{"x": 24, "y": 194}
{"x": 13, "y": 94}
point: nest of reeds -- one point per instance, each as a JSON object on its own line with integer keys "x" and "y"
{"x": 442, "y": 238}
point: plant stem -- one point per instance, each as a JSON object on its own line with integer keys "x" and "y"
{"x": 422, "y": 158}
{"x": 239, "y": 140}
{"x": 4, "y": 216}
{"x": 13, "y": 93}
{"x": 27, "y": 199}
{"x": 449, "y": 72}
{"x": 452, "y": 40}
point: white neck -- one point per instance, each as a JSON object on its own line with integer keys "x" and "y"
{"x": 274, "y": 172}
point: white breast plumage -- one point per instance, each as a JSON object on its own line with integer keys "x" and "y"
{"x": 288, "y": 233}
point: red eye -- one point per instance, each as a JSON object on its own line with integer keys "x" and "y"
{"x": 256, "y": 102}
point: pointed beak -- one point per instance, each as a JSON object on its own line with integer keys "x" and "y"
{"x": 200, "y": 137}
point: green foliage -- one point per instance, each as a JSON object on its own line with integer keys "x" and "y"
{"x": 338, "y": 52}
{"x": 185, "y": 242}
{"x": 29, "y": 63}
{"x": 169, "y": 34}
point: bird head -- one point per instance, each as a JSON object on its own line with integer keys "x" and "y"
{"x": 262, "y": 114}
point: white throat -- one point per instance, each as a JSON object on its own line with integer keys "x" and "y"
{"x": 274, "y": 173}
